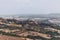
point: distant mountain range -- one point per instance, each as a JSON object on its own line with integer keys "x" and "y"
{"x": 55, "y": 15}
{"x": 32, "y": 15}
{"x": 51, "y": 15}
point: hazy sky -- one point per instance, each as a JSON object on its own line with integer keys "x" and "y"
{"x": 29, "y": 6}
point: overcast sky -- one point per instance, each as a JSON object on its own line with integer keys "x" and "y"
{"x": 29, "y": 6}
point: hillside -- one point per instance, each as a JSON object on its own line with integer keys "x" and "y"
{"x": 29, "y": 29}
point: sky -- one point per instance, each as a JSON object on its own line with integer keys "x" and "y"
{"x": 11, "y": 7}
